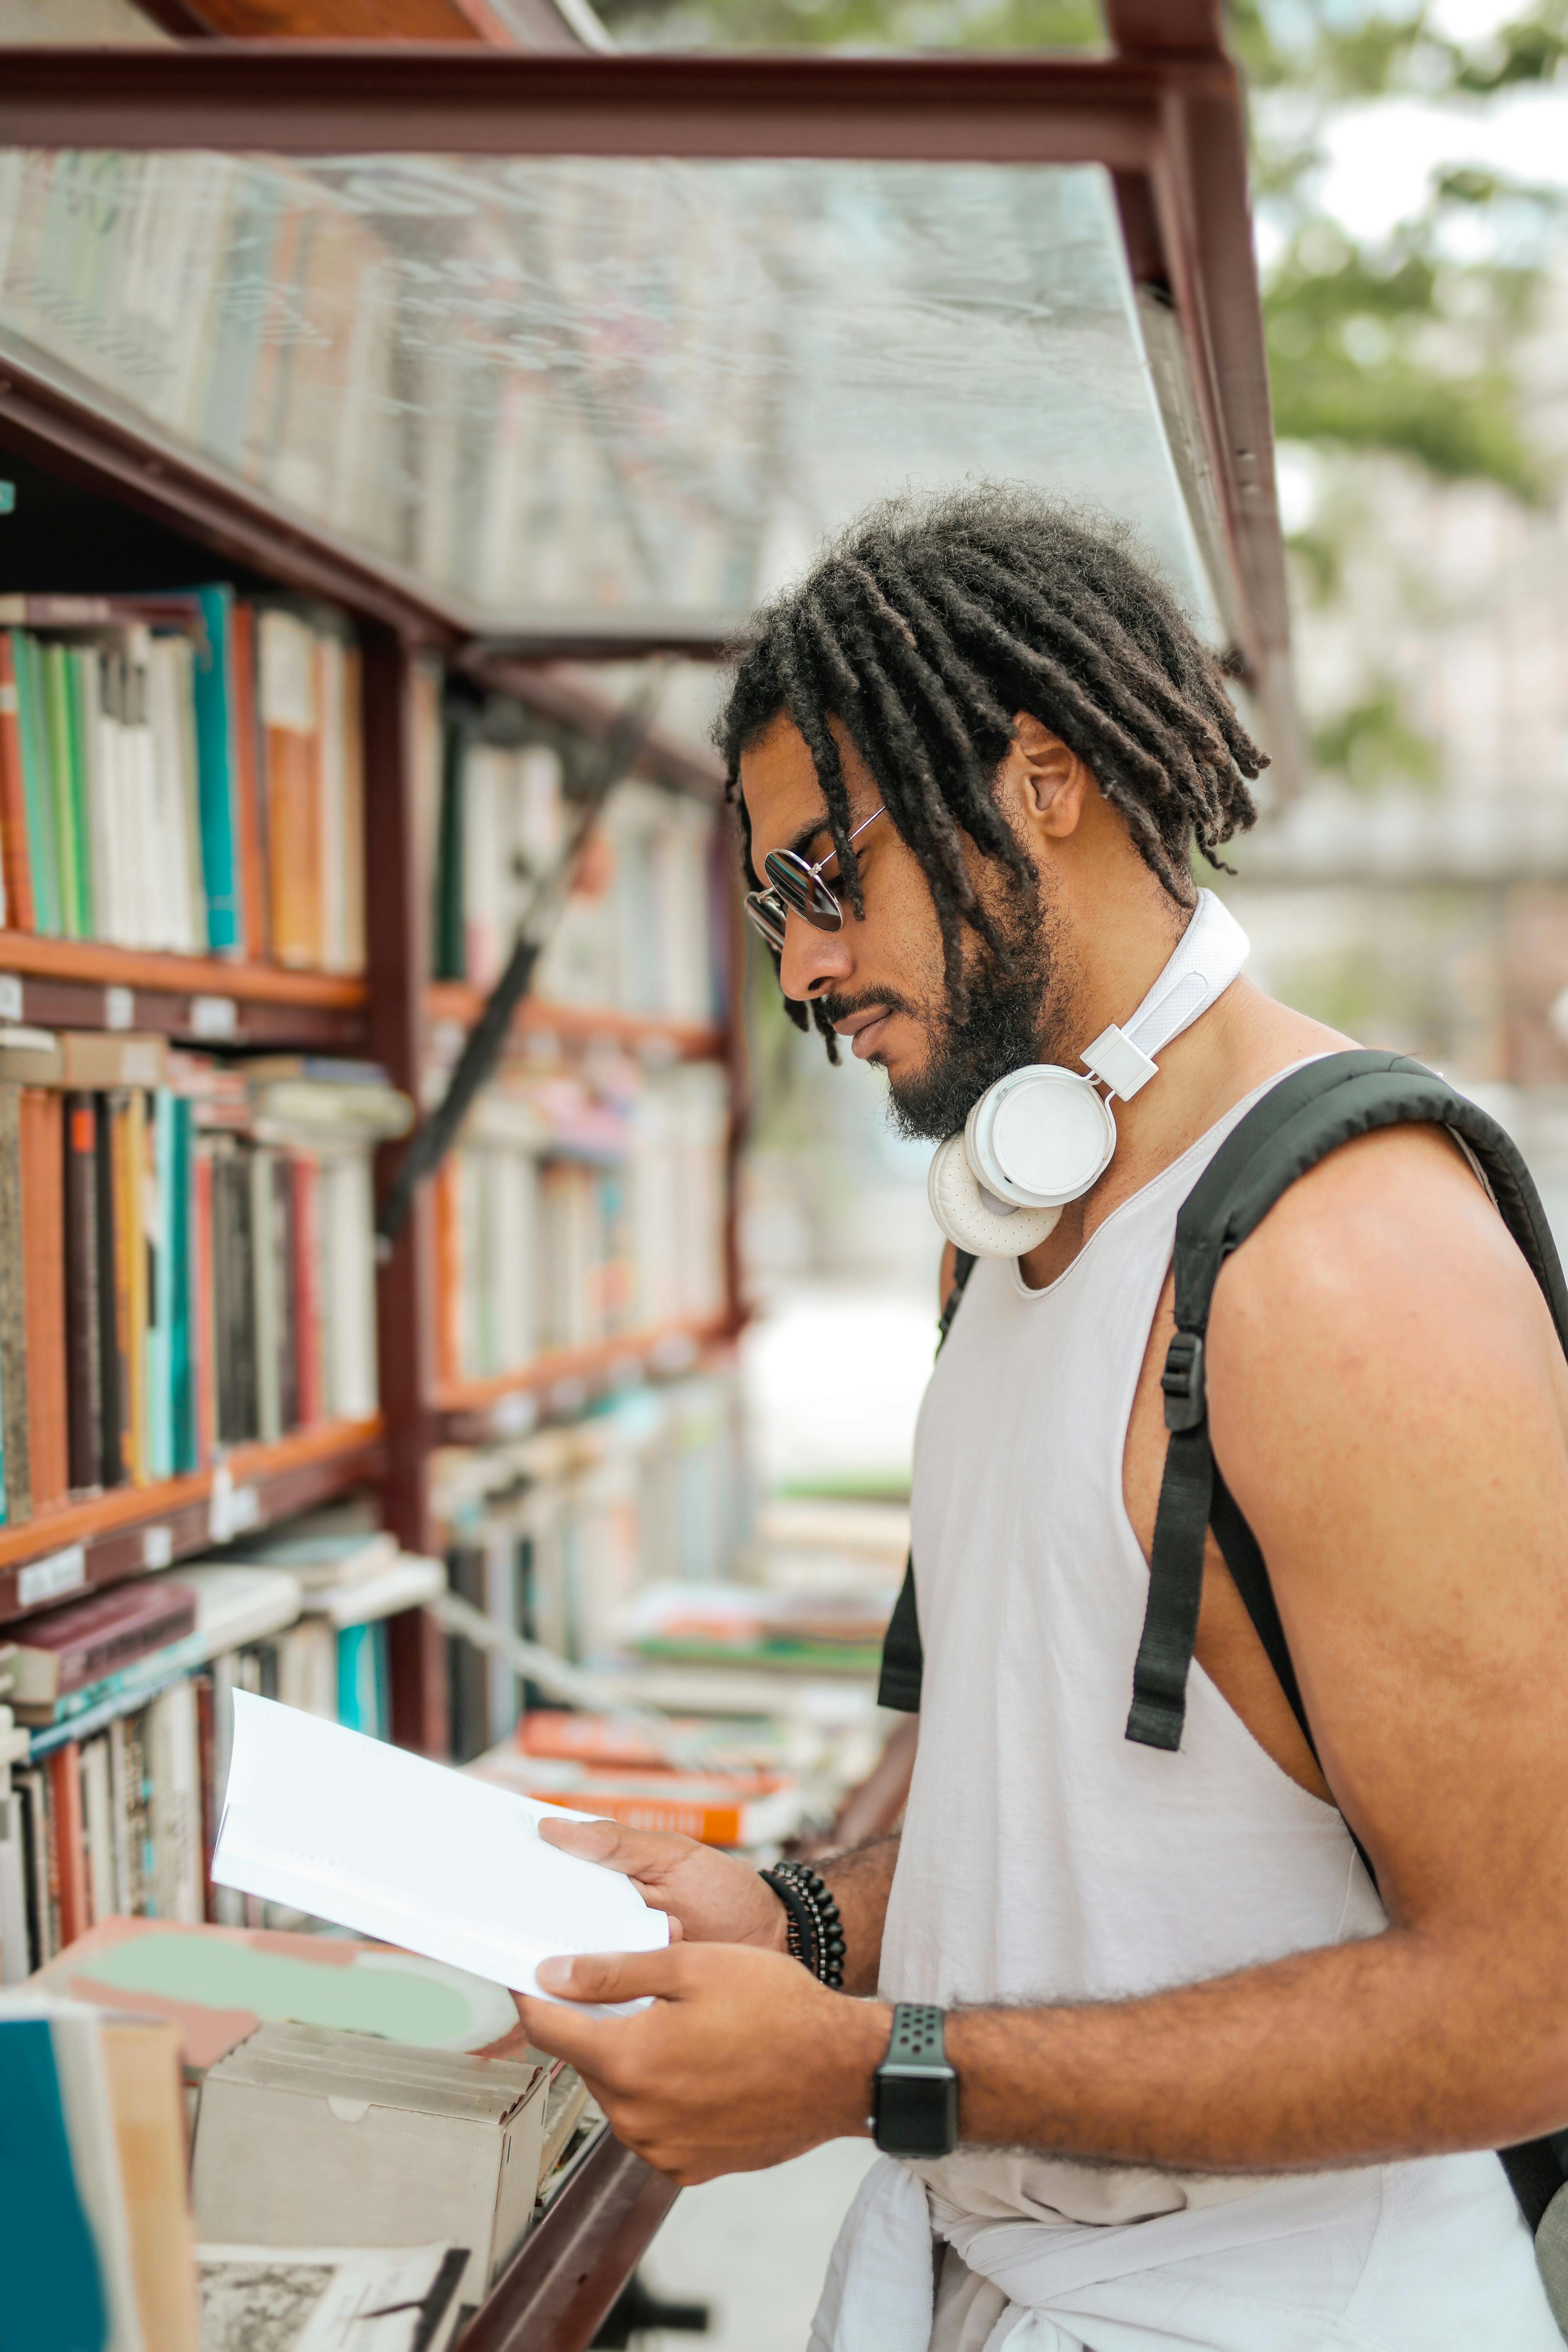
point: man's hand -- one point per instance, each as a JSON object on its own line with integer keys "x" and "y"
{"x": 744, "y": 2059}
{"x": 716, "y": 1898}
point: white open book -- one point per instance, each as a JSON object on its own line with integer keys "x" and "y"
{"x": 373, "y": 1838}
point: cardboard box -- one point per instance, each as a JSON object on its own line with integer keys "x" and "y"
{"x": 309, "y": 2137}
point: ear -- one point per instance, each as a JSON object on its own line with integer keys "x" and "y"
{"x": 1050, "y": 780}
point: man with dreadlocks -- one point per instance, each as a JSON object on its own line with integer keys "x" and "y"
{"x": 1210, "y": 2091}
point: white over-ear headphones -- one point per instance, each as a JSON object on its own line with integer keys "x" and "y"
{"x": 1043, "y": 1135}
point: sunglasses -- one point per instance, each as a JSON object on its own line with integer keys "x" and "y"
{"x": 797, "y": 888}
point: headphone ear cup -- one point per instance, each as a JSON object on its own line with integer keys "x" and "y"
{"x": 969, "y": 1225}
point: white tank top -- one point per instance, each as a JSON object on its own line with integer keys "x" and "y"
{"x": 1045, "y": 1857}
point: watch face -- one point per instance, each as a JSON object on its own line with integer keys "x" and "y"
{"x": 917, "y": 2114}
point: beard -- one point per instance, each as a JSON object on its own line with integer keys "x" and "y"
{"x": 1007, "y": 1021}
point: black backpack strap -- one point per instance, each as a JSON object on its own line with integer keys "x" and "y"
{"x": 1298, "y": 1123}
{"x": 903, "y": 1659}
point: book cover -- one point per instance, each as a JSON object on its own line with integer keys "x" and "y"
{"x": 38, "y": 782}
{"x": 158, "y": 1208}
{"x": 307, "y": 1301}
{"x": 64, "y": 1770}
{"x": 203, "y": 1327}
{"x": 147, "y": 2099}
{"x": 15, "y": 868}
{"x": 216, "y": 1984}
{"x": 217, "y": 765}
{"x": 65, "y": 784}
{"x": 287, "y": 689}
{"x": 16, "y": 1949}
{"x": 247, "y": 769}
{"x": 98, "y": 1828}
{"x": 43, "y": 1295}
{"x": 83, "y": 678}
{"x": 265, "y": 1269}
{"x": 55, "y": 2282}
{"x": 284, "y": 1290}
{"x": 14, "y": 1436}
{"x": 116, "y": 1422}
{"x": 83, "y": 1374}
{"x": 184, "y": 1432}
{"x": 83, "y": 1643}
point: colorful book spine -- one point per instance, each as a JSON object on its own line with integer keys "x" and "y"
{"x": 38, "y": 781}
{"x": 17, "y": 911}
{"x": 216, "y": 767}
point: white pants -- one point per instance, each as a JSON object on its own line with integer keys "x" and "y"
{"x": 1424, "y": 2257}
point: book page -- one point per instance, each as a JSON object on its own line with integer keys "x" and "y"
{"x": 416, "y": 1853}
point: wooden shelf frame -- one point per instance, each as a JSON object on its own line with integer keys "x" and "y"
{"x": 129, "y": 1529}
{"x": 558, "y": 2289}
{"x": 471, "y": 1412}
{"x": 208, "y": 1000}
{"x": 649, "y": 1035}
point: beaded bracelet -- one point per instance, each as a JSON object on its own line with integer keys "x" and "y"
{"x": 813, "y": 1930}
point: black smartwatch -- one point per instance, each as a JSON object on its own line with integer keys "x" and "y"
{"x": 914, "y": 2092}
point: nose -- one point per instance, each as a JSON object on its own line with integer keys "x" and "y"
{"x": 813, "y": 962}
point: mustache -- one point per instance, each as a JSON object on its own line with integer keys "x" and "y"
{"x": 884, "y": 999}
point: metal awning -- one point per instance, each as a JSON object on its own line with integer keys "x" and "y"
{"x": 584, "y": 354}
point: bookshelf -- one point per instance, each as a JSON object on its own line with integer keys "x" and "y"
{"x": 128, "y": 484}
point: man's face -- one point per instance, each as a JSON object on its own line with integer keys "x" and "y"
{"x": 880, "y": 980}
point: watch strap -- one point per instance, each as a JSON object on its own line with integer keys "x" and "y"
{"x": 917, "y": 2038}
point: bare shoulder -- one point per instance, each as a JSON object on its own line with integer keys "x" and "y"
{"x": 1393, "y": 1225}
{"x": 1380, "y": 1328}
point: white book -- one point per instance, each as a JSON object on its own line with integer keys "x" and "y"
{"x": 15, "y": 1957}
{"x": 97, "y": 1827}
{"x": 174, "y": 1803}
{"x": 354, "y": 1830}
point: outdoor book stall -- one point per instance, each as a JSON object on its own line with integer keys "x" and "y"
{"x": 386, "y": 432}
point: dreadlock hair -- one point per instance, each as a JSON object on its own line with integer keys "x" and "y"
{"x": 926, "y": 627}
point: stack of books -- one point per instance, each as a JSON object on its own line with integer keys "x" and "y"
{"x": 186, "y": 1256}
{"x": 184, "y": 772}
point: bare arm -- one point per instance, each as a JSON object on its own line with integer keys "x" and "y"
{"x": 860, "y": 1882}
{"x": 1388, "y": 1401}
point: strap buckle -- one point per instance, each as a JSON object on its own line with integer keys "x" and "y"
{"x": 1182, "y": 1382}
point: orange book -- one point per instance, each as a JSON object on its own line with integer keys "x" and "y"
{"x": 287, "y": 693}
{"x": 44, "y": 1295}
{"x": 294, "y": 836}
{"x": 252, "y": 843}
{"x": 14, "y": 864}
{"x": 147, "y": 2095}
{"x": 717, "y": 1808}
{"x": 64, "y": 1768}
{"x": 448, "y": 1273}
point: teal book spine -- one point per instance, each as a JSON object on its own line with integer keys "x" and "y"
{"x": 363, "y": 1656}
{"x": 38, "y": 784}
{"x": 54, "y": 2282}
{"x": 182, "y": 1245}
{"x": 217, "y": 770}
{"x": 58, "y": 728}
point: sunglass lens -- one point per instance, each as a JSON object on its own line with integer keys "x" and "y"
{"x": 803, "y": 892}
